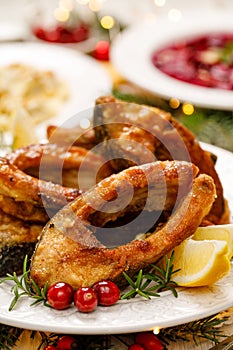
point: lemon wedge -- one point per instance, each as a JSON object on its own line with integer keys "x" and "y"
{"x": 218, "y": 232}
{"x": 24, "y": 132}
{"x": 201, "y": 263}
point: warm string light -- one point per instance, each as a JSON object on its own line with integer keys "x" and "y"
{"x": 95, "y": 5}
{"x": 174, "y": 103}
{"x": 156, "y": 330}
{"x": 188, "y": 108}
{"x": 62, "y": 12}
{"x": 174, "y": 14}
{"x": 107, "y": 22}
{"x": 61, "y": 15}
{"x": 160, "y": 3}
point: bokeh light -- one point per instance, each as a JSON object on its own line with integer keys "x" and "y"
{"x": 160, "y": 3}
{"x": 188, "y": 108}
{"x": 156, "y": 330}
{"x": 107, "y": 22}
{"x": 61, "y": 14}
{"x": 95, "y": 5}
{"x": 174, "y": 103}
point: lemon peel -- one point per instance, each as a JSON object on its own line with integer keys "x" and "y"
{"x": 201, "y": 263}
{"x": 217, "y": 232}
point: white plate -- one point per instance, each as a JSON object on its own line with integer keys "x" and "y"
{"x": 136, "y": 314}
{"x": 85, "y": 77}
{"x": 131, "y": 55}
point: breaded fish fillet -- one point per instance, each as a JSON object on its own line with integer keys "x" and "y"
{"x": 17, "y": 239}
{"x": 168, "y": 201}
{"x": 39, "y": 179}
{"x": 134, "y": 134}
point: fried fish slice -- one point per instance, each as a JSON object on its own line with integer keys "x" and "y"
{"x": 135, "y": 134}
{"x": 17, "y": 239}
{"x": 70, "y": 248}
{"x": 14, "y": 183}
{"x": 42, "y": 178}
{"x": 75, "y": 136}
{"x": 68, "y": 159}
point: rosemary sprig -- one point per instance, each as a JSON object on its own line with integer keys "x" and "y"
{"x": 24, "y": 285}
{"x": 140, "y": 287}
{"x": 206, "y": 328}
{"x": 161, "y": 276}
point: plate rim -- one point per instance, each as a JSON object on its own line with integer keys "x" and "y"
{"x": 121, "y": 329}
{"x": 44, "y": 325}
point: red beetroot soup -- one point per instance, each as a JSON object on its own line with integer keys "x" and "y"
{"x": 206, "y": 60}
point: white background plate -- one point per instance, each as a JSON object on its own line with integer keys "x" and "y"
{"x": 136, "y": 314}
{"x": 85, "y": 77}
{"x": 131, "y": 55}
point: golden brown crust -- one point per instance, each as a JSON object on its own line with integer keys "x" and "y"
{"x": 15, "y": 231}
{"x": 75, "y": 136}
{"x": 22, "y": 187}
{"x": 37, "y": 180}
{"x": 58, "y": 157}
{"x": 17, "y": 239}
{"x": 154, "y": 133}
{"x": 23, "y": 210}
{"x": 219, "y": 213}
{"x": 69, "y": 250}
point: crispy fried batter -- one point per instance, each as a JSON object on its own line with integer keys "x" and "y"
{"x": 142, "y": 134}
{"x": 70, "y": 251}
{"x": 17, "y": 239}
{"x": 34, "y": 183}
{"x": 75, "y": 136}
{"x": 40, "y": 178}
{"x": 153, "y": 133}
{"x": 17, "y": 184}
{"x": 56, "y": 157}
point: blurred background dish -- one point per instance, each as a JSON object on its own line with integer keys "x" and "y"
{"x": 132, "y": 51}
{"x": 82, "y": 79}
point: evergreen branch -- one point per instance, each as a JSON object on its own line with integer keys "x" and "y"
{"x": 25, "y": 285}
{"x": 207, "y": 328}
{"x": 9, "y": 336}
{"x": 161, "y": 276}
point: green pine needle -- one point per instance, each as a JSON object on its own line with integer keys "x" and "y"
{"x": 143, "y": 286}
{"x": 207, "y": 328}
{"x": 9, "y": 336}
{"x": 25, "y": 285}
